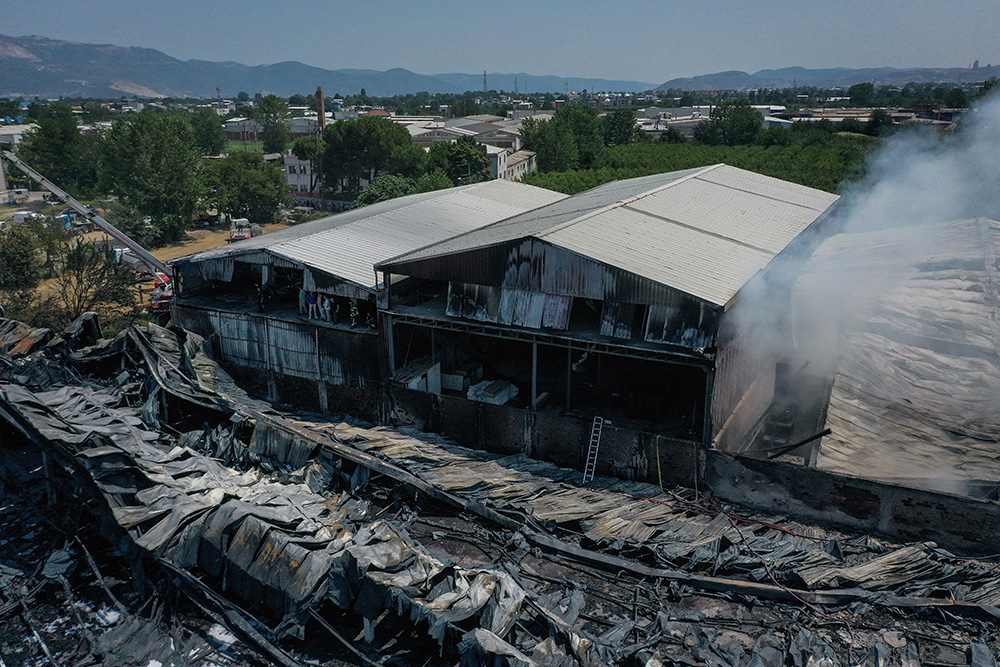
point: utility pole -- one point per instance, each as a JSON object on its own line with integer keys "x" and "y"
{"x": 484, "y": 81}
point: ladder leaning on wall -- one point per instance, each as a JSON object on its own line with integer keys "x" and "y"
{"x": 595, "y": 444}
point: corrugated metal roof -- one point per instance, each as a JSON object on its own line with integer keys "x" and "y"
{"x": 704, "y": 231}
{"x": 349, "y": 244}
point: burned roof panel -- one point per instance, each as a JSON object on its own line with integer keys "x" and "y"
{"x": 915, "y": 394}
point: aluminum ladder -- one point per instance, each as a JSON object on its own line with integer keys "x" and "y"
{"x": 595, "y": 444}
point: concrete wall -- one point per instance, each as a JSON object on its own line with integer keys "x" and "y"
{"x": 958, "y": 523}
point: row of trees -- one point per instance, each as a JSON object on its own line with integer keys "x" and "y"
{"x": 151, "y": 162}
{"x": 578, "y": 150}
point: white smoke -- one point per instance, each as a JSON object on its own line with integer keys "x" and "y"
{"x": 921, "y": 177}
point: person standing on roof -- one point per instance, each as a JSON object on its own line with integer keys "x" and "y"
{"x": 311, "y": 300}
{"x": 302, "y": 300}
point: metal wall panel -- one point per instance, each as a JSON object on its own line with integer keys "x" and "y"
{"x": 337, "y": 356}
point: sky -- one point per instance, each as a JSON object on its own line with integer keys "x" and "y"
{"x": 651, "y": 41}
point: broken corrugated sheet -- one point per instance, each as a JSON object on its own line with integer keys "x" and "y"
{"x": 916, "y": 379}
{"x": 456, "y": 556}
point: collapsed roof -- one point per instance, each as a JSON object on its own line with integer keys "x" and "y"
{"x": 454, "y": 554}
{"x": 913, "y": 359}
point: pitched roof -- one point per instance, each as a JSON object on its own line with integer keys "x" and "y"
{"x": 347, "y": 245}
{"x": 704, "y": 231}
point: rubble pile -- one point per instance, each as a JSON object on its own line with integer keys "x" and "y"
{"x": 304, "y": 540}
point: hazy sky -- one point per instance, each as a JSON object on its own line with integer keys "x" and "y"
{"x": 650, "y": 41}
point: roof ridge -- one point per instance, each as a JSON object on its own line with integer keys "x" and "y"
{"x": 626, "y": 202}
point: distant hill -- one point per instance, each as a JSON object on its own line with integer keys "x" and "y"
{"x": 838, "y": 77}
{"x": 39, "y": 66}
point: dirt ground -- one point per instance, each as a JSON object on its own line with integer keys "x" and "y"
{"x": 198, "y": 240}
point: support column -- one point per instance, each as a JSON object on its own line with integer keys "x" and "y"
{"x": 534, "y": 376}
{"x": 569, "y": 375}
{"x": 433, "y": 357}
{"x": 391, "y": 344}
{"x": 706, "y": 432}
{"x": 321, "y": 389}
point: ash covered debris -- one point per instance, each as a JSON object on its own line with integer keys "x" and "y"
{"x": 301, "y": 535}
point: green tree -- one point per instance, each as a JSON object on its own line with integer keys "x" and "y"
{"x": 20, "y": 262}
{"x": 272, "y": 115}
{"x": 464, "y": 160}
{"x": 880, "y": 123}
{"x": 861, "y": 94}
{"x": 852, "y": 125}
{"x": 618, "y": 128}
{"x": 60, "y": 153}
{"x": 149, "y": 162}
{"x": 732, "y": 123}
{"x": 553, "y": 143}
{"x": 987, "y": 86}
{"x": 582, "y": 123}
{"x": 956, "y": 99}
{"x": 364, "y": 147}
{"x": 310, "y": 149}
{"x": 466, "y": 105}
{"x": 383, "y": 188}
{"x": 208, "y": 131}
{"x": 245, "y": 186}
{"x": 432, "y": 180}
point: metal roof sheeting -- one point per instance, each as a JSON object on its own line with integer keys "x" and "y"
{"x": 704, "y": 231}
{"x": 349, "y": 244}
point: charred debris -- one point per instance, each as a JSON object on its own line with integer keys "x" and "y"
{"x": 156, "y": 514}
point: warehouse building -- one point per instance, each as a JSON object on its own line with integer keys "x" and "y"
{"x": 332, "y": 258}
{"x": 620, "y": 302}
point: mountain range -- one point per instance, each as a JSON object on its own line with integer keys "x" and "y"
{"x": 39, "y": 66}
{"x": 837, "y": 77}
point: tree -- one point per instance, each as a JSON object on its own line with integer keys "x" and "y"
{"x": 618, "y": 128}
{"x": 582, "y": 123}
{"x": 732, "y": 123}
{"x": 861, "y": 94}
{"x": 208, "y": 131}
{"x": 149, "y": 162}
{"x": 272, "y": 115}
{"x": 432, "y": 180}
{"x": 243, "y": 96}
{"x": 245, "y": 186}
{"x": 60, "y": 153}
{"x": 383, "y": 188}
{"x": 464, "y": 160}
{"x": 880, "y": 123}
{"x": 90, "y": 280}
{"x": 363, "y": 147}
{"x": 554, "y": 144}
{"x": 956, "y": 99}
{"x": 311, "y": 150}
{"x": 20, "y": 264}
{"x": 987, "y": 86}
{"x": 852, "y": 125}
